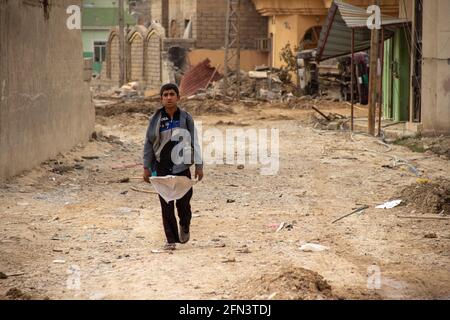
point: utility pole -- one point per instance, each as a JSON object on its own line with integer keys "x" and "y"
{"x": 374, "y": 50}
{"x": 121, "y": 43}
{"x": 232, "y": 61}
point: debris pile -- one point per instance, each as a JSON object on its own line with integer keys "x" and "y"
{"x": 288, "y": 284}
{"x": 332, "y": 121}
{"x": 433, "y": 197}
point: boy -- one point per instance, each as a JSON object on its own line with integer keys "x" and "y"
{"x": 161, "y": 139}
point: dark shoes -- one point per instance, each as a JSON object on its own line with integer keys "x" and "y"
{"x": 184, "y": 234}
{"x": 169, "y": 246}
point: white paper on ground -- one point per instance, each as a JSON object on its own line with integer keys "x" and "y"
{"x": 389, "y": 204}
{"x": 172, "y": 187}
{"x": 313, "y": 247}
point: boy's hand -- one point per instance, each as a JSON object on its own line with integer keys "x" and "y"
{"x": 147, "y": 175}
{"x": 199, "y": 174}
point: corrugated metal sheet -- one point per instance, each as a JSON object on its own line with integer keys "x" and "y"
{"x": 336, "y": 36}
{"x": 198, "y": 78}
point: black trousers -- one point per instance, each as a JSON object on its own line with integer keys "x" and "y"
{"x": 168, "y": 209}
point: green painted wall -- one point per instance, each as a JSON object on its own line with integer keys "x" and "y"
{"x": 401, "y": 73}
{"x": 89, "y": 36}
{"x": 396, "y": 77}
{"x": 98, "y": 17}
{"x": 387, "y": 79}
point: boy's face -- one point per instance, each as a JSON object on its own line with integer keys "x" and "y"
{"x": 169, "y": 98}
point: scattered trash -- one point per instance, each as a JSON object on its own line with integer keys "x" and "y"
{"x": 59, "y": 261}
{"x": 124, "y": 180}
{"x": 360, "y": 209}
{"x": 272, "y": 296}
{"x": 430, "y": 236}
{"x": 423, "y": 180}
{"x": 230, "y": 200}
{"x": 284, "y": 225}
{"x": 228, "y": 260}
{"x": 389, "y": 204}
{"x": 90, "y": 157}
{"x": 312, "y": 247}
{"x": 240, "y": 167}
{"x": 161, "y": 251}
{"x": 15, "y": 274}
{"x": 23, "y": 204}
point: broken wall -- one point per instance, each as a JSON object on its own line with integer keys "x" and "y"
{"x": 45, "y": 106}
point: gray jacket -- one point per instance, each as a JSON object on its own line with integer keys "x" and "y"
{"x": 154, "y": 141}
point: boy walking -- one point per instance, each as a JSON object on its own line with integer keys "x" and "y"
{"x": 161, "y": 151}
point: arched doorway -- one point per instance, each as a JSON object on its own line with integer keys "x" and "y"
{"x": 310, "y": 38}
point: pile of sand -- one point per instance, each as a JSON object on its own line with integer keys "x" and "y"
{"x": 433, "y": 197}
{"x": 288, "y": 283}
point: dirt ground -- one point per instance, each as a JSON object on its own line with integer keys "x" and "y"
{"x": 71, "y": 230}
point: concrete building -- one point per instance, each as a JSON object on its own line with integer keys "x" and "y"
{"x": 299, "y": 22}
{"x": 45, "y": 104}
{"x": 204, "y": 22}
{"x": 98, "y": 17}
{"x": 416, "y": 86}
{"x": 185, "y": 32}
{"x": 431, "y": 24}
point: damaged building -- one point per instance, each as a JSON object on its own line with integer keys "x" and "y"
{"x": 415, "y": 57}
{"x": 183, "y": 34}
{"x": 45, "y": 103}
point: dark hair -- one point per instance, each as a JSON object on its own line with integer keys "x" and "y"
{"x": 169, "y": 86}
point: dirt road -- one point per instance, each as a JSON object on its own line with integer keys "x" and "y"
{"x": 71, "y": 230}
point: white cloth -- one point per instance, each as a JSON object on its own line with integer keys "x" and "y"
{"x": 172, "y": 187}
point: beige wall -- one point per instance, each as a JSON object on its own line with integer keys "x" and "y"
{"x": 436, "y": 67}
{"x": 179, "y": 11}
{"x": 249, "y": 58}
{"x": 45, "y": 106}
{"x": 290, "y": 29}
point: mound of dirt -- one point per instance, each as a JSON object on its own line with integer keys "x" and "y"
{"x": 429, "y": 197}
{"x": 288, "y": 283}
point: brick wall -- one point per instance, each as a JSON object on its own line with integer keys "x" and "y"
{"x": 136, "y": 58}
{"x": 210, "y": 26}
{"x": 156, "y": 10}
{"x": 153, "y": 62}
{"x": 114, "y": 55}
